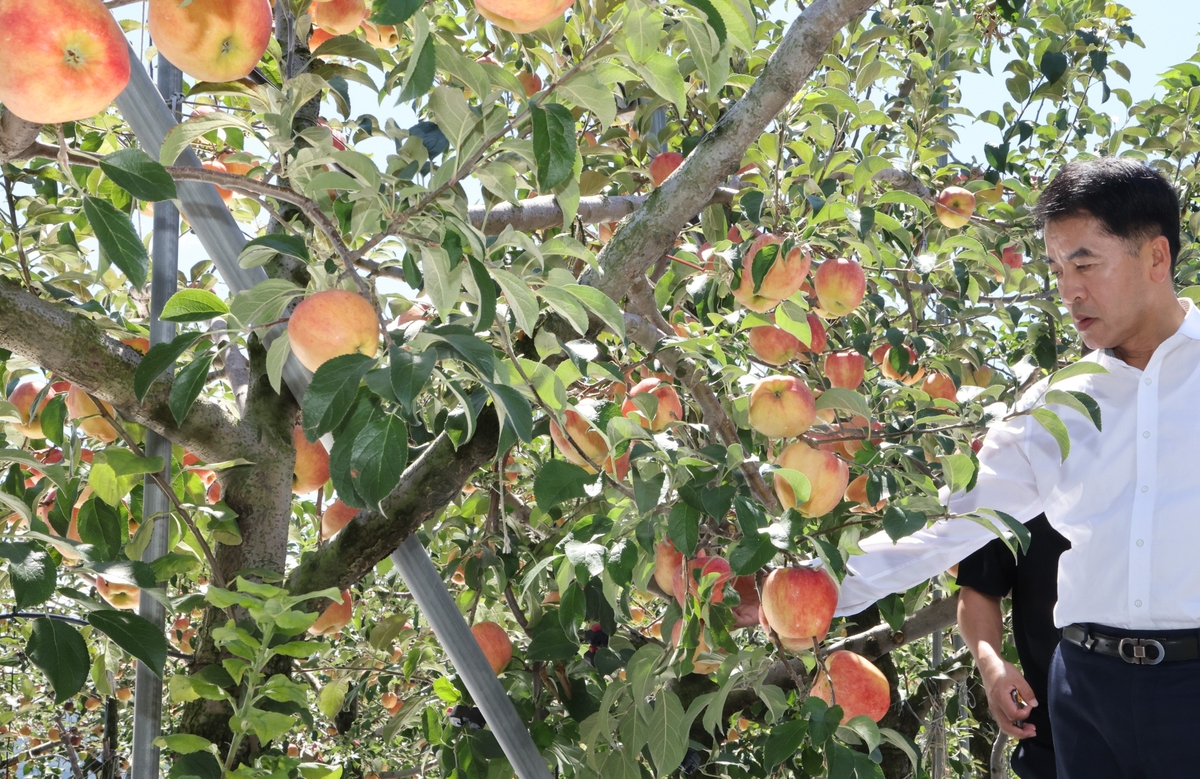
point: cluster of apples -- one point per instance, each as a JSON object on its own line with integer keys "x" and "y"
{"x": 796, "y": 603}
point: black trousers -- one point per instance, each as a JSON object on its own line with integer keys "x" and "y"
{"x": 1114, "y": 720}
{"x": 1033, "y": 760}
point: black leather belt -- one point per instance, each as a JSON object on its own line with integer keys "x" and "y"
{"x": 1136, "y": 651}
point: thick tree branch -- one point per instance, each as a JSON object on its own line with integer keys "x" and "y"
{"x": 16, "y": 135}
{"x": 881, "y": 639}
{"x": 75, "y": 348}
{"x": 540, "y": 213}
{"x": 652, "y": 230}
{"x": 427, "y": 485}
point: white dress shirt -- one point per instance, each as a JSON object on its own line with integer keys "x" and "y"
{"x": 1127, "y": 498}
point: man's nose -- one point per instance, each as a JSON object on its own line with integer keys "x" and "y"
{"x": 1070, "y": 289}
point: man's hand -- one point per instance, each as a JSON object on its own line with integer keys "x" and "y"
{"x": 1009, "y": 697}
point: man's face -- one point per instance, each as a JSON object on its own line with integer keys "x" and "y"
{"x": 1106, "y": 282}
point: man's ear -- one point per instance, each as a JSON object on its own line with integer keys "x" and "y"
{"x": 1158, "y": 251}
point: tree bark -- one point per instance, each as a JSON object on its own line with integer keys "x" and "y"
{"x": 16, "y": 135}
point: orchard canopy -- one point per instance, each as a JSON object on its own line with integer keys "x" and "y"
{"x": 620, "y": 400}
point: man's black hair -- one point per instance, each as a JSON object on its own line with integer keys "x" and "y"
{"x": 1130, "y": 199}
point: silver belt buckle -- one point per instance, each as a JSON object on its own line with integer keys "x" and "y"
{"x": 1138, "y": 651}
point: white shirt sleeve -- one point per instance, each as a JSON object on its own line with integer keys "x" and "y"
{"x": 1006, "y": 482}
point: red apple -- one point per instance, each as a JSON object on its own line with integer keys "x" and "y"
{"x": 381, "y": 36}
{"x": 337, "y": 515}
{"x": 495, "y": 643}
{"x": 330, "y": 324}
{"x": 783, "y": 278}
{"x": 584, "y": 440}
{"x": 798, "y": 603}
{"x": 845, "y": 369}
{"x": 119, "y": 596}
{"x": 22, "y": 397}
{"x": 669, "y": 408}
{"x": 882, "y": 356}
{"x": 840, "y": 285}
{"x": 818, "y": 338}
{"x": 781, "y": 407}
{"x": 774, "y": 345}
{"x": 522, "y": 16}
{"x": 827, "y": 475}
{"x": 663, "y": 165}
{"x": 312, "y": 464}
{"x": 341, "y": 17}
{"x": 138, "y": 344}
{"x": 955, "y": 206}
{"x": 83, "y": 410}
{"x": 219, "y": 167}
{"x": 335, "y": 617}
{"x": 856, "y": 492}
{"x": 1012, "y": 257}
{"x": 686, "y": 576}
{"x": 860, "y": 688}
{"x": 61, "y": 61}
{"x": 667, "y": 561}
{"x": 532, "y": 83}
{"x": 212, "y": 40}
{"x": 939, "y": 385}
{"x": 317, "y": 37}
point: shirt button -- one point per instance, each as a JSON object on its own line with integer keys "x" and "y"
{"x": 1137, "y": 603}
{"x": 1145, "y": 434}
{"x": 1149, "y": 382}
{"x": 1140, "y": 542}
{"x": 1145, "y": 488}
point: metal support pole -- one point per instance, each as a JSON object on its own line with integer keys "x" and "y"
{"x": 429, "y": 591}
{"x": 147, "y": 706}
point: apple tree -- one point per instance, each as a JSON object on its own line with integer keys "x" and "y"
{"x": 651, "y": 305}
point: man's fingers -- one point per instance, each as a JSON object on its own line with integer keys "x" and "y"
{"x": 1022, "y": 731}
{"x": 1024, "y": 690}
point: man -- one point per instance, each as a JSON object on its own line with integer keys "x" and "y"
{"x": 1125, "y": 682}
{"x": 984, "y": 578}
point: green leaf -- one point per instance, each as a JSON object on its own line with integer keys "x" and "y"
{"x": 1080, "y": 401}
{"x": 267, "y": 725}
{"x": 1053, "y": 65}
{"x": 513, "y": 408}
{"x": 379, "y": 454}
{"x": 551, "y": 644}
{"x": 1081, "y": 368}
{"x": 486, "y": 313}
{"x": 331, "y": 698}
{"x": 339, "y": 457}
{"x": 646, "y": 494}
{"x": 602, "y": 306}
{"x": 662, "y": 74}
{"x": 265, "y": 248}
{"x": 183, "y": 134}
{"x": 183, "y": 743}
{"x": 134, "y": 171}
{"x": 100, "y": 525}
{"x": 683, "y": 527}
{"x": 1055, "y": 427}
{"x": 158, "y": 359}
{"x": 349, "y": 46}
{"x": 126, "y": 572}
{"x": 418, "y": 79}
{"x": 193, "y": 305}
{"x": 958, "y": 470}
{"x": 59, "y": 650}
{"x": 198, "y": 765}
{"x": 899, "y": 523}
{"x": 668, "y": 733}
{"x": 585, "y": 90}
{"x": 32, "y": 573}
{"x": 559, "y": 481}
{"x": 263, "y": 302}
{"x": 187, "y": 386}
{"x": 410, "y": 372}
{"x": 553, "y": 144}
{"x": 117, "y": 238}
{"x": 521, "y": 300}
{"x": 53, "y": 417}
{"x": 277, "y": 355}
{"x": 136, "y": 635}
{"x": 783, "y": 742}
{"x": 714, "y": 18}
{"x": 331, "y": 393}
{"x": 844, "y": 399}
{"x": 1019, "y": 531}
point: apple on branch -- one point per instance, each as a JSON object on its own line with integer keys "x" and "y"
{"x": 955, "y": 206}
{"x": 336, "y": 516}
{"x": 857, "y": 685}
{"x": 381, "y": 36}
{"x": 798, "y": 604}
{"x": 827, "y": 476}
{"x": 335, "y": 617}
{"x": 330, "y": 324}
{"x": 23, "y": 397}
{"x": 82, "y": 410}
{"x": 883, "y": 357}
{"x": 667, "y": 560}
{"x": 688, "y": 577}
{"x": 312, "y": 464}
{"x": 856, "y": 492}
{"x": 663, "y": 165}
{"x": 341, "y": 17}
{"x": 783, "y": 266}
{"x": 587, "y": 440}
{"x": 669, "y": 408}
{"x": 841, "y": 285}
{"x": 845, "y": 369}
{"x": 60, "y": 60}
{"x": 781, "y": 407}
{"x": 939, "y": 385}
{"x": 699, "y": 666}
{"x": 522, "y": 16}
{"x": 495, "y": 643}
{"x": 118, "y": 595}
{"x": 212, "y": 40}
